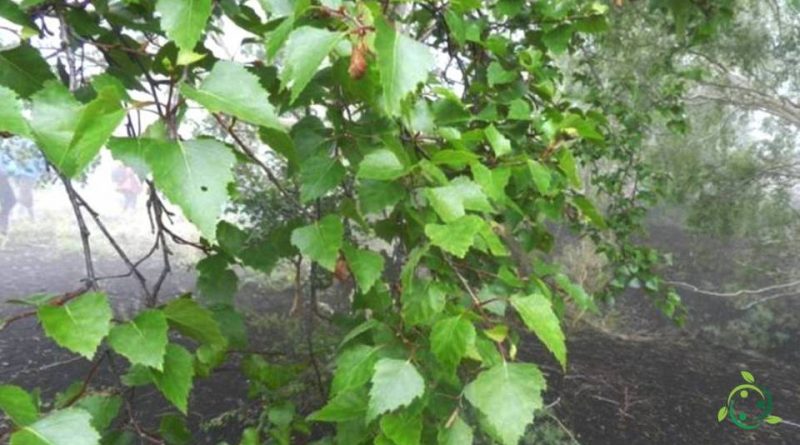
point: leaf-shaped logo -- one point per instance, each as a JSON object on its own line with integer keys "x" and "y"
{"x": 722, "y": 414}
{"x": 773, "y": 420}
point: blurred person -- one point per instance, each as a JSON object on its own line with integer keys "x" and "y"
{"x": 7, "y": 197}
{"x": 128, "y": 185}
{"x": 30, "y": 168}
{"x": 21, "y": 167}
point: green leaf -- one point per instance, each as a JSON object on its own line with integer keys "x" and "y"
{"x": 366, "y": 266}
{"x": 24, "y": 70}
{"x": 451, "y": 338}
{"x": 519, "y": 110}
{"x": 275, "y": 39}
{"x": 497, "y": 75}
{"x": 194, "y": 175}
{"x": 18, "y": 405}
{"x": 231, "y": 324}
{"x": 500, "y": 144}
{"x": 259, "y": 252}
{"x": 175, "y": 382}
{"x": 491, "y": 241}
{"x": 320, "y": 241}
{"x": 459, "y": 433}
{"x": 362, "y": 328}
{"x": 455, "y": 23}
{"x": 507, "y": 395}
{"x": 403, "y": 63}
{"x": 576, "y": 291}
{"x": 137, "y": 375}
{"x": 78, "y": 325}
{"x": 537, "y": 313}
{"x": 586, "y": 128}
{"x": 278, "y": 8}
{"x": 492, "y": 182}
{"x": 174, "y": 430}
{"x": 319, "y": 175}
{"x": 457, "y": 159}
{"x": 229, "y": 88}
{"x": 10, "y": 11}
{"x": 422, "y": 301}
{"x": 250, "y": 436}
{"x": 184, "y": 21}
{"x": 455, "y": 237}
{"x": 382, "y": 164}
{"x": 722, "y": 414}
{"x": 403, "y": 428}
{"x": 748, "y": 377}
{"x": 194, "y": 321}
{"x": 65, "y": 427}
{"x": 346, "y": 405}
{"x": 493, "y": 301}
{"x": 131, "y": 152}
{"x": 557, "y": 39}
{"x": 590, "y": 211}
{"x": 451, "y": 201}
{"x": 142, "y": 340}
{"x": 11, "y": 119}
{"x": 216, "y": 282}
{"x": 354, "y": 367}
{"x": 104, "y": 409}
{"x": 71, "y": 134}
{"x": 395, "y": 383}
{"x": 497, "y": 334}
{"x": 375, "y": 196}
{"x": 567, "y": 164}
{"x": 305, "y": 50}
{"x": 281, "y": 415}
{"x": 541, "y": 176}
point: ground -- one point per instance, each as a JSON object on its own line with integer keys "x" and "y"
{"x": 642, "y": 381}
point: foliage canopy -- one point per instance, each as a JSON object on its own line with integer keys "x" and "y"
{"x": 424, "y": 151}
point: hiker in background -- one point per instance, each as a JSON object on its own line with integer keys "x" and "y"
{"x": 21, "y": 168}
{"x": 7, "y": 197}
{"x": 128, "y": 185}
{"x": 29, "y": 169}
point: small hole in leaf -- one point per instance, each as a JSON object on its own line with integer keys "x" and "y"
{"x": 203, "y": 188}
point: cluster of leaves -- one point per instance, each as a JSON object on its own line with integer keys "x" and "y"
{"x": 442, "y": 129}
{"x": 81, "y": 323}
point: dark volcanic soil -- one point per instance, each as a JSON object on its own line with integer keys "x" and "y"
{"x": 660, "y": 385}
{"x": 31, "y": 360}
{"x": 665, "y": 391}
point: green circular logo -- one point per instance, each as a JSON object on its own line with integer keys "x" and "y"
{"x": 744, "y": 393}
{"x": 748, "y": 406}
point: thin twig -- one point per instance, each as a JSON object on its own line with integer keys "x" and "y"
{"x": 87, "y": 380}
{"x": 58, "y": 301}
{"x": 309, "y": 317}
{"x": 734, "y": 294}
{"x": 788, "y": 423}
{"x": 563, "y": 427}
{"x": 465, "y": 284}
{"x": 268, "y": 171}
{"x": 553, "y": 403}
{"x": 91, "y": 278}
{"x": 158, "y": 211}
{"x": 769, "y": 298}
{"x": 133, "y": 269}
{"x": 128, "y": 400}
